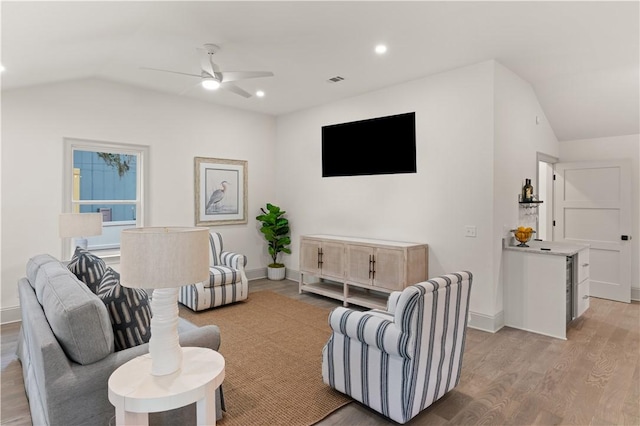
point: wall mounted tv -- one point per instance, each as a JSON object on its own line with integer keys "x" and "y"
{"x": 377, "y": 146}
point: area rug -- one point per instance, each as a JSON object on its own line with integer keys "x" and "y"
{"x": 272, "y": 346}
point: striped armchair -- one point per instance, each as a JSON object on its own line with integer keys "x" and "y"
{"x": 400, "y": 361}
{"x": 227, "y": 281}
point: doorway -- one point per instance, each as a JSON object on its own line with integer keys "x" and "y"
{"x": 544, "y": 183}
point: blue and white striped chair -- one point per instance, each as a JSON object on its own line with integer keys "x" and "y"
{"x": 227, "y": 281}
{"x": 400, "y": 361}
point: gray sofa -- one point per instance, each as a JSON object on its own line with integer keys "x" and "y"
{"x": 66, "y": 349}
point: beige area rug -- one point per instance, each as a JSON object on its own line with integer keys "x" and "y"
{"x": 272, "y": 347}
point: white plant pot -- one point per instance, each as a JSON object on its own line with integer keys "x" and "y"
{"x": 276, "y": 274}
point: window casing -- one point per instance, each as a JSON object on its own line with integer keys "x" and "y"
{"x": 97, "y": 180}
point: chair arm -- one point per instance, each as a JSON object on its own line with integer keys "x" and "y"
{"x": 233, "y": 260}
{"x": 392, "y": 302}
{"x": 370, "y": 329}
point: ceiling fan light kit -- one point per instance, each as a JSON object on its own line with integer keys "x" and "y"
{"x": 210, "y": 83}
{"x": 212, "y": 78}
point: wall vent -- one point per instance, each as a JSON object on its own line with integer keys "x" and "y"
{"x": 335, "y": 79}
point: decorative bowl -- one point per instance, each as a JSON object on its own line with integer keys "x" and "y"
{"x": 523, "y": 235}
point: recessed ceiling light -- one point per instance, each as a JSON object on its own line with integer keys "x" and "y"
{"x": 210, "y": 83}
{"x": 380, "y": 49}
{"x": 1, "y": 68}
{"x": 260, "y": 93}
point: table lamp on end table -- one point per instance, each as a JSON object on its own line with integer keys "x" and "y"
{"x": 79, "y": 226}
{"x": 164, "y": 258}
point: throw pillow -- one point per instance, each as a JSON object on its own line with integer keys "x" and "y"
{"x": 88, "y": 267}
{"x": 129, "y": 310}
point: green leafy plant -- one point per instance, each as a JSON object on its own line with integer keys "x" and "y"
{"x": 275, "y": 228}
{"x": 120, "y": 162}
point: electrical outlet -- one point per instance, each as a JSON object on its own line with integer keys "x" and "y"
{"x": 470, "y": 231}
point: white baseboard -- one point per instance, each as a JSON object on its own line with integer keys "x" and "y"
{"x": 293, "y": 275}
{"x": 635, "y": 293}
{"x": 486, "y": 322}
{"x": 11, "y": 314}
{"x": 261, "y": 273}
{"x": 256, "y": 274}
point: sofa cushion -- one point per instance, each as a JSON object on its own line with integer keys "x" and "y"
{"x": 222, "y": 275}
{"x": 129, "y": 311}
{"x": 44, "y": 275}
{"x": 77, "y": 317}
{"x": 88, "y": 267}
{"x": 34, "y": 264}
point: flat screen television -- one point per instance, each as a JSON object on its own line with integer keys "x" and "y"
{"x": 383, "y": 145}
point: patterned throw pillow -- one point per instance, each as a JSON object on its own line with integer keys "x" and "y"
{"x": 129, "y": 310}
{"x": 88, "y": 267}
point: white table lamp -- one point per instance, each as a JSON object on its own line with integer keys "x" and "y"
{"x": 164, "y": 258}
{"x": 79, "y": 226}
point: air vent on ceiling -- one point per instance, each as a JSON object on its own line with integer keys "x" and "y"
{"x": 335, "y": 79}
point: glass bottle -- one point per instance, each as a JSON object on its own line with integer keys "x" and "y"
{"x": 527, "y": 191}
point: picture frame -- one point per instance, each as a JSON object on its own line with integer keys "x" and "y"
{"x": 220, "y": 191}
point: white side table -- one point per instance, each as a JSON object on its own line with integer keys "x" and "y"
{"x": 135, "y": 392}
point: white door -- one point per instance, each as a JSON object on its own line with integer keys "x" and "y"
{"x": 592, "y": 205}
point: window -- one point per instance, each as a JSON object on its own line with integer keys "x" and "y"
{"x": 107, "y": 178}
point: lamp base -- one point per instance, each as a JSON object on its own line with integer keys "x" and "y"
{"x": 81, "y": 242}
{"x": 164, "y": 346}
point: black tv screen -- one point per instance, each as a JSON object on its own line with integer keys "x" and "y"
{"x": 383, "y": 145}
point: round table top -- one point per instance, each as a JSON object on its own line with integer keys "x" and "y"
{"x": 133, "y": 385}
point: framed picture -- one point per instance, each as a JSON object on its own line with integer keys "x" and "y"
{"x": 220, "y": 191}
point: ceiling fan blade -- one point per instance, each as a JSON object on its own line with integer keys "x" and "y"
{"x": 188, "y": 89}
{"x": 173, "y": 72}
{"x": 242, "y": 75}
{"x": 235, "y": 89}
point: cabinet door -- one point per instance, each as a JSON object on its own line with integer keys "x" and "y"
{"x": 332, "y": 260}
{"x": 583, "y": 297}
{"x": 359, "y": 264}
{"x": 389, "y": 268}
{"x": 310, "y": 256}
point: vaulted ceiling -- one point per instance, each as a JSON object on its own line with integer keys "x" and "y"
{"x": 581, "y": 58}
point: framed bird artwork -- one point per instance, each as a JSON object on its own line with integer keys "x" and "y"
{"x": 220, "y": 191}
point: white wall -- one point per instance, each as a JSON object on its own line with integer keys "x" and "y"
{"x": 477, "y": 139}
{"x": 615, "y": 148}
{"x": 453, "y": 186}
{"x": 518, "y": 138}
{"x": 177, "y": 129}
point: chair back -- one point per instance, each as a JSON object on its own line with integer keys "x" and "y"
{"x": 215, "y": 240}
{"x": 435, "y": 313}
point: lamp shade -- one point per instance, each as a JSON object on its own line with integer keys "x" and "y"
{"x": 80, "y": 225}
{"x": 163, "y": 257}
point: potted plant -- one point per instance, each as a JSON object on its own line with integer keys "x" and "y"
{"x": 275, "y": 228}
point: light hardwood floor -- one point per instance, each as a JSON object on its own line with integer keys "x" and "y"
{"x": 511, "y": 377}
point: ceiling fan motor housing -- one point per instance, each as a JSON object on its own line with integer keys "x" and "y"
{"x": 211, "y": 48}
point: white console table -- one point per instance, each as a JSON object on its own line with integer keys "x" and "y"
{"x": 360, "y": 271}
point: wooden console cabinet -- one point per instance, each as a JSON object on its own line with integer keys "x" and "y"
{"x": 360, "y": 271}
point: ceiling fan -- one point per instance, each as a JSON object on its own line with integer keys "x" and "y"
{"x": 211, "y": 77}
